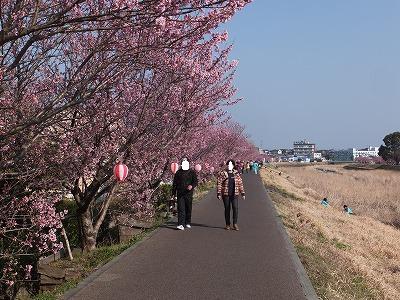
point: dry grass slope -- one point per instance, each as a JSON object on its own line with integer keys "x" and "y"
{"x": 374, "y": 193}
{"x": 347, "y": 257}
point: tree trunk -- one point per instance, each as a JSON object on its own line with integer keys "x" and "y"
{"x": 89, "y": 234}
{"x": 89, "y": 225}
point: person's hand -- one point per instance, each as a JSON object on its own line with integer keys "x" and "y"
{"x": 189, "y": 187}
{"x": 244, "y": 197}
{"x": 219, "y": 197}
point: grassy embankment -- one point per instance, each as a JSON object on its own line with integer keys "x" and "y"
{"x": 346, "y": 257}
{"x": 85, "y": 264}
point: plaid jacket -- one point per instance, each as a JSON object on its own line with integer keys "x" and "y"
{"x": 222, "y": 184}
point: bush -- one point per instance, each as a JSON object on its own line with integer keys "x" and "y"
{"x": 162, "y": 198}
{"x": 70, "y": 221}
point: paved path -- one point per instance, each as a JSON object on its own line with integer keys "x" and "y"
{"x": 208, "y": 262}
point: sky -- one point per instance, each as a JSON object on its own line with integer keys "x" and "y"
{"x": 325, "y": 71}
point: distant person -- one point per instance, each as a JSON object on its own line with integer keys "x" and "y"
{"x": 325, "y": 202}
{"x": 238, "y": 166}
{"x": 247, "y": 167}
{"x": 185, "y": 181}
{"x": 242, "y": 166}
{"x": 256, "y": 167}
{"x": 229, "y": 187}
{"x": 347, "y": 210}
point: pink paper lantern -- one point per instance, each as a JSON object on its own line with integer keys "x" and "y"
{"x": 121, "y": 171}
{"x": 197, "y": 168}
{"x": 212, "y": 169}
{"x": 174, "y": 167}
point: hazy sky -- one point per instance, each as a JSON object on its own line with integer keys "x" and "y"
{"x": 327, "y": 71}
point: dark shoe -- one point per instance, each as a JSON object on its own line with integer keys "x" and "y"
{"x": 236, "y": 227}
{"x": 227, "y": 227}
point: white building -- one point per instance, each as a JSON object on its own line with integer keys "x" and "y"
{"x": 317, "y": 155}
{"x": 304, "y": 148}
{"x": 367, "y": 152}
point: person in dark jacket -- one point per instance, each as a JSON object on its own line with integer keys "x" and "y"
{"x": 229, "y": 187}
{"x": 185, "y": 181}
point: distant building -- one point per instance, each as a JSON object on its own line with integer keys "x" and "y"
{"x": 279, "y": 152}
{"x": 342, "y": 155}
{"x": 304, "y": 148}
{"x": 275, "y": 152}
{"x": 367, "y": 152}
{"x": 327, "y": 154}
{"x": 287, "y": 152}
{"x": 352, "y": 153}
{"x": 317, "y": 155}
{"x": 302, "y": 159}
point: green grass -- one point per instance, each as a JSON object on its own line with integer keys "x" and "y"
{"x": 340, "y": 245}
{"x": 283, "y": 192}
{"x": 58, "y": 291}
{"x": 203, "y": 189}
{"x": 207, "y": 186}
{"x": 89, "y": 262}
{"x": 287, "y": 222}
{"x": 321, "y": 237}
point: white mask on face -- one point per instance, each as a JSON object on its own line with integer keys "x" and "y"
{"x": 185, "y": 165}
{"x": 230, "y": 166}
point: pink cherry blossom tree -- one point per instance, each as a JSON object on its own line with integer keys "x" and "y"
{"x": 162, "y": 107}
{"x": 84, "y": 84}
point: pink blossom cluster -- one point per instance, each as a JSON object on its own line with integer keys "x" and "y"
{"x": 85, "y": 84}
{"x": 28, "y": 229}
{"x": 370, "y": 160}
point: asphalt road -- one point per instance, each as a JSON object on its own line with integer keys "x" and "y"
{"x": 208, "y": 262}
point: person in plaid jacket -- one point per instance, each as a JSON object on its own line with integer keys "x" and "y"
{"x": 229, "y": 187}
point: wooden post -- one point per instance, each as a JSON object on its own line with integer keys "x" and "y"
{"x": 67, "y": 243}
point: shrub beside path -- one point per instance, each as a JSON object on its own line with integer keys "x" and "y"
{"x": 206, "y": 261}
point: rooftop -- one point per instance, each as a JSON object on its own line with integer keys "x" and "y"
{"x": 303, "y": 142}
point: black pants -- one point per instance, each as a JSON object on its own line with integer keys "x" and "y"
{"x": 228, "y": 202}
{"x": 185, "y": 209}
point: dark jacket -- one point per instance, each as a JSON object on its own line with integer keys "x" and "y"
{"x": 182, "y": 180}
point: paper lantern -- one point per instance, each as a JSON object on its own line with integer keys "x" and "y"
{"x": 174, "y": 167}
{"x": 197, "y": 168}
{"x": 212, "y": 169}
{"x": 121, "y": 171}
